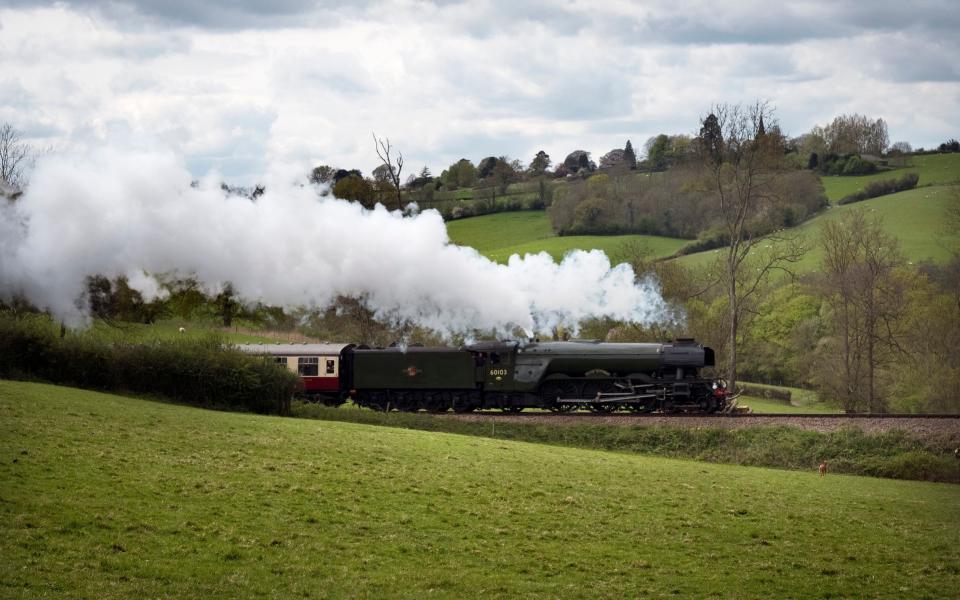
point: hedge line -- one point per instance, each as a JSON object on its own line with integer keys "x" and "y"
{"x": 199, "y": 372}
{"x": 875, "y": 189}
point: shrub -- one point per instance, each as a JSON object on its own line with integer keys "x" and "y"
{"x": 199, "y": 372}
{"x": 849, "y": 164}
{"x": 857, "y": 166}
{"x": 708, "y": 240}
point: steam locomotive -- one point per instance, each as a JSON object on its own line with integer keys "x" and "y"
{"x": 508, "y": 375}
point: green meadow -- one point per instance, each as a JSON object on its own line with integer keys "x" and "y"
{"x": 104, "y": 496}
{"x": 501, "y": 235}
{"x": 914, "y": 217}
{"x": 163, "y": 330}
{"x": 934, "y": 169}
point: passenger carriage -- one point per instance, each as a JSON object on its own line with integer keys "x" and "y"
{"x": 318, "y": 365}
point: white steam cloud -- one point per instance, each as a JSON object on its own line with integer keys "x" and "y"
{"x": 135, "y": 213}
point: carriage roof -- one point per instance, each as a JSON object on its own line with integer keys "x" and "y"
{"x": 294, "y": 349}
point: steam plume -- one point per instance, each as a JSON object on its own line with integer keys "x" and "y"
{"x": 136, "y": 213}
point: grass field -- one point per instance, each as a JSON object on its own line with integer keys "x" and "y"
{"x": 168, "y": 329}
{"x": 765, "y": 405}
{"x": 801, "y": 401}
{"x": 501, "y": 235}
{"x": 110, "y": 497}
{"x": 914, "y": 217}
{"x": 934, "y": 169}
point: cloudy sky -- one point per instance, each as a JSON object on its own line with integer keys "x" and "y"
{"x": 245, "y": 86}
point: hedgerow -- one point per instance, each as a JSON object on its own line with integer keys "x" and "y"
{"x": 201, "y": 372}
{"x": 875, "y": 189}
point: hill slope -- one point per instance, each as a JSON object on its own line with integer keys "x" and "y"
{"x": 933, "y": 169}
{"x": 110, "y": 497}
{"x": 500, "y": 235}
{"x": 914, "y": 217}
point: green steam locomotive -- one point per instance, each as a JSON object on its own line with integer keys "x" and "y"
{"x": 510, "y": 376}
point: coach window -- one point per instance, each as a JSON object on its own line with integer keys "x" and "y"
{"x": 331, "y": 366}
{"x": 307, "y": 366}
{"x": 280, "y": 360}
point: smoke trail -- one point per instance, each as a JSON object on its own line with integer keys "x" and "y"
{"x": 134, "y": 213}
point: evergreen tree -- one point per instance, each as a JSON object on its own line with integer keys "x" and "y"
{"x": 711, "y": 138}
{"x": 629, "y": 156}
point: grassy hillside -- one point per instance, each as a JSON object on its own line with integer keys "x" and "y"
{"x": 109, "y": 497}
{"x": 169, "y": 329}
{"x": 914, "y": 217}
{"x": 801, "y": 401}
{"x": 501, "y": 235}
{"x": 934, "y": 169}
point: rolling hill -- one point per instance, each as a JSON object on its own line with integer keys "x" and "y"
{"x": 500, "y": 235}
{"x": 112, "y": 497}
{"x": 914, "y": 217}
{"x": 934, "y": 169}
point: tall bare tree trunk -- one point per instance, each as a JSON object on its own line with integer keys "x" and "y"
{"x": 734, "y": 321}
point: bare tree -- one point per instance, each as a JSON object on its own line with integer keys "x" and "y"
{"x": 383, "y": 148}
{"x": 15, "y": 156}
{"x": 743, "y": 168}
{"x": 868, "y": 300}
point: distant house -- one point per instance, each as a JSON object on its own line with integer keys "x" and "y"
{"x": 9, "y": 192}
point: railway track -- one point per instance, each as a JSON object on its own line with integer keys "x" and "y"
{"x": 653, "y": 415}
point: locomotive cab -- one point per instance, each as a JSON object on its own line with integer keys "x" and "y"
{"x": 495, "y": 364}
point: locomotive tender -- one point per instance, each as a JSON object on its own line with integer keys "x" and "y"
{"x": 559, "y": 376}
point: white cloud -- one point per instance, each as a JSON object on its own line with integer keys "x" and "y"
{"x": 239, "y": 86}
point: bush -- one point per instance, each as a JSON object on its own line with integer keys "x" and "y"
{"x": 708, "y": 240}
{"x": 875, "y": 189}
{"x": 848, "y": 164}
{"x": 199, "y": 372}
{"x": 857, "y": 166}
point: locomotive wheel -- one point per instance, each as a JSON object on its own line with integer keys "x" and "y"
{"x": 462, "y": 404}
{"x": 378, "y": 401}
{"x": 436, "y": 403}
{"x": 592, "y": 390}
{"x": 554, "y": 390}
